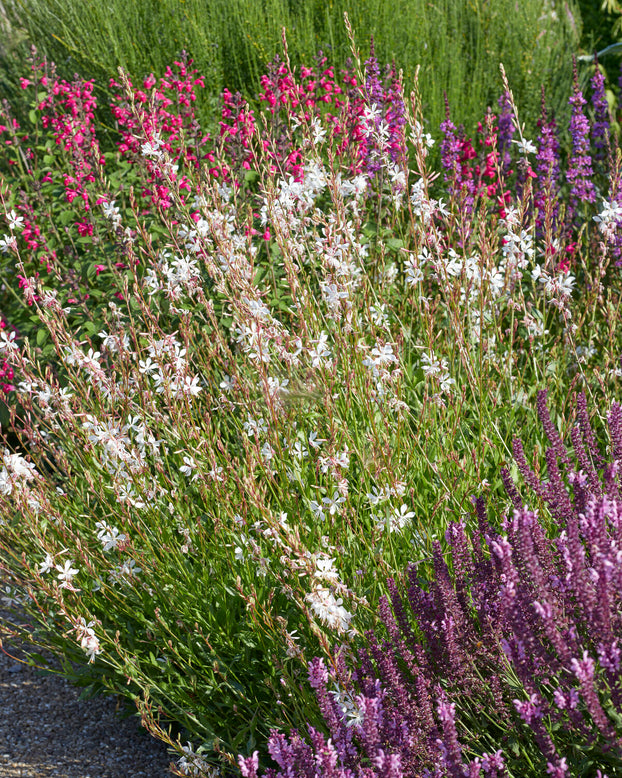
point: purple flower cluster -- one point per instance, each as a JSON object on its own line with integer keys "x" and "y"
{"x": 580, "y": 170}
{"x": 546, "y": 190}
{"x": 600, "y": 126}
{"x": 386, "y": 117}
{"x": 507, "y": 661}
{"x": 451, "y": 150}
{"x": 506, "y": 131}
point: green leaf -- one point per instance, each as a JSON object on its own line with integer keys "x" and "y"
{"x": 394, "y": 244}
{"x": 66, "y": 216}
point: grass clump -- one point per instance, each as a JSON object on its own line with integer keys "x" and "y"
{"x": 456, "y": 44}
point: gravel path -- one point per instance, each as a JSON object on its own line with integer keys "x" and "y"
{"x": 45, "y": 730}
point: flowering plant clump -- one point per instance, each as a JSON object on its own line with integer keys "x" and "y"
{"x": 237, "y": 363}
{"x": 508, "y": 666}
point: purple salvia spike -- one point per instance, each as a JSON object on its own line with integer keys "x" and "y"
{"x": 423, "y": 608}
{"x": 400, "y": 613}
{"x": 446, "y": 599}
{"x": 600, "y": 127}
{"x": 544, "y": 603}
{"x": 615, "y": 429}
{"x": 447, "y": 714}
{"x": 461, "y": 555}
{"x": 541, "y": 543}
{"x": 462, "y": 558}
{"x": 318, "y": 678}
{"x": 549, "y": 428}
{"x": 493, "y": 765}
{"x": 388, "y": 672}
{"x": 584, "y": 671}
{"x": 375, "y": 96}
{"x": 396, "y": 117}
{"x": 584, "y": 462}
{"x": 249, "y": 766}
{"x": 479, "y": 535}
{"x": 579, "y": 485}
{"x": 388, "y": 619}
{"x": 558, "y": 499}
{"x": 505, "y": 133}
{"x": 577, "y": 576}
{"x": 326, "y": 756}
{"x": 450, "y": 152}
{"x": 531, "y": 479}
{"x": 371, "y": 733}
{"x": 364, "y": 670}
{"x": 579, "y": 174}
{"x": 594, "y": 525}
{"x": 548, "y": 171}
{"x": 373, "y": 85}
{"x": 388, "y": 765}
{"x": 610, "y": 479}
{"x": 423, "y": 688}
{"x": 588, "y": 432}
{"x": 510, "y": 488}
{"x": 501, "y": 709}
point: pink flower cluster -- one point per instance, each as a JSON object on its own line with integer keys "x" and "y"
{"x": 344, "y": 107}
{"x": 68, "y": 110}
{"x": 284, "y": 99}
{"x": 166, "y": 119}
{"x": 473, "y": 174}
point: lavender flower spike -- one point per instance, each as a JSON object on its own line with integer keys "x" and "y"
{"x": 580, "y": 170}
{"x": 600, "y": 128}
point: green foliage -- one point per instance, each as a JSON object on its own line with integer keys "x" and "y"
{"x": 457, "y": 43}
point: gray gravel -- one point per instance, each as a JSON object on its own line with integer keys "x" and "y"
{"x": 45, "y": 730}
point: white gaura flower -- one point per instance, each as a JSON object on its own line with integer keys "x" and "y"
{"x": 299, "y": 451}
{"x": 192, "y": 764}
{"x": 314, "y": 441}
{"x": 329, "y": 609}
{"x": 254, "y": 427}
{"x": 267, "y": 452}
{"x": 317, "y": 510}
{"x": 325, "y": 569}
{"x": 188, "y": 468}
{"x": 321, "y": 353}
{"x": 353, "y": 714}
{"x": 127, "y": 570}
{"x": 6, "y": 483}
{"x": 414, "y": 274}
{"x": 46, "y": 565}
{"x": 14, "y": 221}
{"x": 525, "y": 146}
{"x": 7, "y": 341}
{"x": 7, "y": 243}
{"x": 397, "y": 520}
{"x": 110, "y": 537}
{"x": 88, "y": 640}
{"x": 610, "y": 214}
{"x": 227, "y": 383}
{"x": 431, "y": 364}
{"x": 152, "y": 148}
{"x": 332, "y": 503}
{"x": 66, "y": 574}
